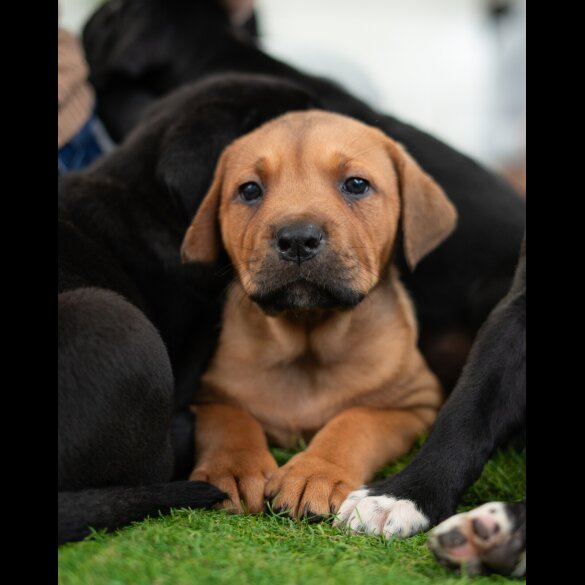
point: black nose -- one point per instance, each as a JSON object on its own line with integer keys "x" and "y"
{"x": 299, "y": 242}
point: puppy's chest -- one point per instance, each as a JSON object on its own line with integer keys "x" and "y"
{"x": 292, "y": 401}
{"x": 294, "y": 378}
{"x": 293, "y": 396}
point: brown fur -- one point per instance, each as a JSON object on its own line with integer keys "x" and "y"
{"x": 352, "y": 380}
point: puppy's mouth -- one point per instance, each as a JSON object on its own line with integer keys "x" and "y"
{"x": 295, "y": 289}
{"x": 304, "y": 295}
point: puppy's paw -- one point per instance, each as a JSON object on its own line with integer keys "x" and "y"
{"x": 387, "y": 515}
{"x": 242, "y": 475}
{"x": 482, "y": 540}
{"x": 309, "y": 486}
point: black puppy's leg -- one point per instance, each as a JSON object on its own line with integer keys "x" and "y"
{"x": 487, "y": 406}
{"x": 115, "y": 394}
{"x": 487, "y": 539}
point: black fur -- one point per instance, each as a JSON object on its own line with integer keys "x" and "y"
{"x": 115, "y": 389}
{"x": 139, "y": 50}
{"x": 115, "y": 507}
{"x": 486, "y": 409}
{"x": 136, "y": 326}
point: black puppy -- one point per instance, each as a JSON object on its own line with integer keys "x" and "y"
{"x": 136, "y": 326}
{"x": 139, "y": 50}
{"x": 485, "y": 410}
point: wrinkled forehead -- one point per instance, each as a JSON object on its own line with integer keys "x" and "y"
{"x": 303, "y": 140}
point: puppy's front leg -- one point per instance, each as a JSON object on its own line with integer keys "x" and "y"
{"x": 232, "y": 454}
{"x": 343, "y": 455}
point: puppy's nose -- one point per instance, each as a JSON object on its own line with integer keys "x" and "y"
{"x": 299, "y": 242}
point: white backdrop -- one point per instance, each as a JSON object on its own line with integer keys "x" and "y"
{"x": 434, "y": 63}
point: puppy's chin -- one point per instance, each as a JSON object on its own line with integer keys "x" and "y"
{"x": 303, "y": 296}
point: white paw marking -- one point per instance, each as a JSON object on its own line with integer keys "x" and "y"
{"x": 470, "y": 552}
{"x": 492, "y": 512}
{"x": 361, "y": 513}
{"x": 455, "y": 521}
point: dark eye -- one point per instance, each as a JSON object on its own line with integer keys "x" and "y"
{"x": 250, "y": 191}
{"x": 356, "y": 186}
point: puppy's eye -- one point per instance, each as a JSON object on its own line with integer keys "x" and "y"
{"x": 356, "y": 186}
{"x": 250, "y": 191}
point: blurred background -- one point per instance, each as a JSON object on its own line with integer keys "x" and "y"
{"x": 454, "y": 68}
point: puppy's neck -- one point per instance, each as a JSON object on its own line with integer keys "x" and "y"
{"x": 308, "y": 320}
{"x": 313, "y": 337}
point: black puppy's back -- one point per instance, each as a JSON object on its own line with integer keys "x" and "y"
{"x": 115, "y": 389}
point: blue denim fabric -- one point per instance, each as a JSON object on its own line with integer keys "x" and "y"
{"x": 85, "y": 147}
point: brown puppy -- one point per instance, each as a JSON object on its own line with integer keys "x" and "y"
{"x": 319, "y": 337}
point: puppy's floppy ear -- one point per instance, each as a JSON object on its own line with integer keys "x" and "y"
{"x": 202, "y": 240}
{"x": 428, "y": 217}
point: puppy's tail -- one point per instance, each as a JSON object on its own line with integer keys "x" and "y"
{"x": 114, "y": 507}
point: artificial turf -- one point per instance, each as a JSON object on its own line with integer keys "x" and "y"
{"x": 213, "y": 547}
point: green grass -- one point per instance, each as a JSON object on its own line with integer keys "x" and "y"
{"x": 194, "y": 546}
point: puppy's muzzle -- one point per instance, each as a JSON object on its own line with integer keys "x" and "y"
{"x": 299, "y": 242}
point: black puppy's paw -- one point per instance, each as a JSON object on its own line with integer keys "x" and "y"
{"x": 486, "y": 539}
{"x": 366, "y": 513}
